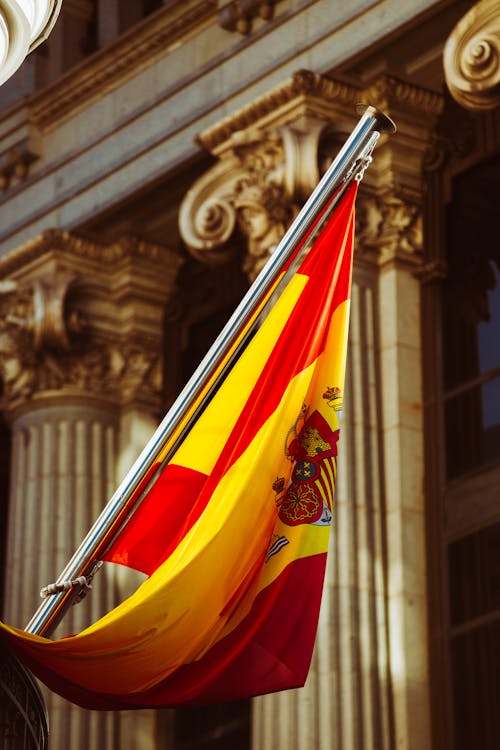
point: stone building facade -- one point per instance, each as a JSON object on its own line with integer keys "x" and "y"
{"x": 151, "y": 153}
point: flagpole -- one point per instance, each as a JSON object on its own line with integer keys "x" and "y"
{"x": 75, "y": 579}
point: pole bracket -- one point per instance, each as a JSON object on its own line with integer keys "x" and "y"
{"x": 83, "y": 583}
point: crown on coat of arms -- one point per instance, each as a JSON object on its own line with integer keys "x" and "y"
{"x": 333, "y": 396}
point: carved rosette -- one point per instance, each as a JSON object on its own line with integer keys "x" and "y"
{"x": 84, "y": 320}
{"x": 472, "y": 58}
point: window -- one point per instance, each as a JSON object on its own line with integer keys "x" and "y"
{"x": 474, "y": 585}
{"x": 471, "y": 322}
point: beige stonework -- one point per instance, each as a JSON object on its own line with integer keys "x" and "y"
{"x": 393, "y": 240}
{"x": 81, "y": 365}
{"x": 368, "y": 682}
{"x": 472, "y": 57}
{"x": 81, "y": 318}
{"x": 269, "y": 161}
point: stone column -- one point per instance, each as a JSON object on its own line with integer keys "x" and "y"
{"x": 81, "y": 367}
{"x": 394, "y": 234}
{"x": 368, "y": 685}
{"x": 345, "y": 703}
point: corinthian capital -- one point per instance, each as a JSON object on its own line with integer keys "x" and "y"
{"x": 271, "y": 155}
{"x": 82, "y": 319}
{"x": 472, "y": 57}
{"x": 210, "y": 211}
{"x": 389, "y": 230}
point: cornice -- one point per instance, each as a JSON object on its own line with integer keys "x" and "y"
{"x": 130, "y": 53}
{"x": 388, "y": 91}
{"x": 302, "y": 83}
{"x": 54, "y": 239}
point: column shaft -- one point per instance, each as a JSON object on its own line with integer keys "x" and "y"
{"x": 345, "y": 703}
{"x": 63, "y": 472}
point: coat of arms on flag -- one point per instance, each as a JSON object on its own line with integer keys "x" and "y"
{"x": 309, "y": 495}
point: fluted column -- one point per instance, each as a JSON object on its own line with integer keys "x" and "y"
{"x": 62, "y": 474}
{"x": 368, "y": 685}
{"x": 81, "y": 368}
{"x": 63, "y": 470}
{"x": 395, "y": 233}
{"x": 346, "y": 700}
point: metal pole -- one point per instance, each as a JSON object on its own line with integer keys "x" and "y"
{"x": 206, "y": 379}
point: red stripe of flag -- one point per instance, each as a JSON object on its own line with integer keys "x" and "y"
{"x": 269, "y": 650}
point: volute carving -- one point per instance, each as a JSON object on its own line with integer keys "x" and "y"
{"x": 472, "y": 57}
{"x": 270, "y": 157}
{"x": 246, "y": 190}
{"x": 256, "y": 187}
{"x": 273, "y": 151}
{"x": 83, "y": 319}
{"x": 35, "y": 324}
{"x": 208, "y": 214}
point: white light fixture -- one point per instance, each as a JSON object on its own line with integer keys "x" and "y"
{"x": 24, "y": 24}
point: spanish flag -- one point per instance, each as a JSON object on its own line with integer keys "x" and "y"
{"x": 233, "y": 534}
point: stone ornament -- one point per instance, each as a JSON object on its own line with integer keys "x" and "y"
{"x": 84, "y": 320}
{"x": 264, "y": 212}
{"x": 23, "y": 26}
{"x": 15, "y": 163}
{"x": 270, "y": 158}
{"x": 36, "y": 355}
{"x": 472, "y": 58}
{"x": 238, "y": 15}
{"x": 272, "y": 153}
{"x": 245, "y": 190}
{"x": 257, "y": 186}
{"x": 35, "y": 324}
{"x": 389, "y": 229}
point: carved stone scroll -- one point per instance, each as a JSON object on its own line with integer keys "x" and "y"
{"x": 270, "y": 159}
{"x": 81, "y": 318}
{"x": 251, "y": 188}
{"x": 472, "y": 57}
{"x": 33, "y": 317}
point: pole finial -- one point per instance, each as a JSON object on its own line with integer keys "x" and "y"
{"x": 383, "y": 123}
